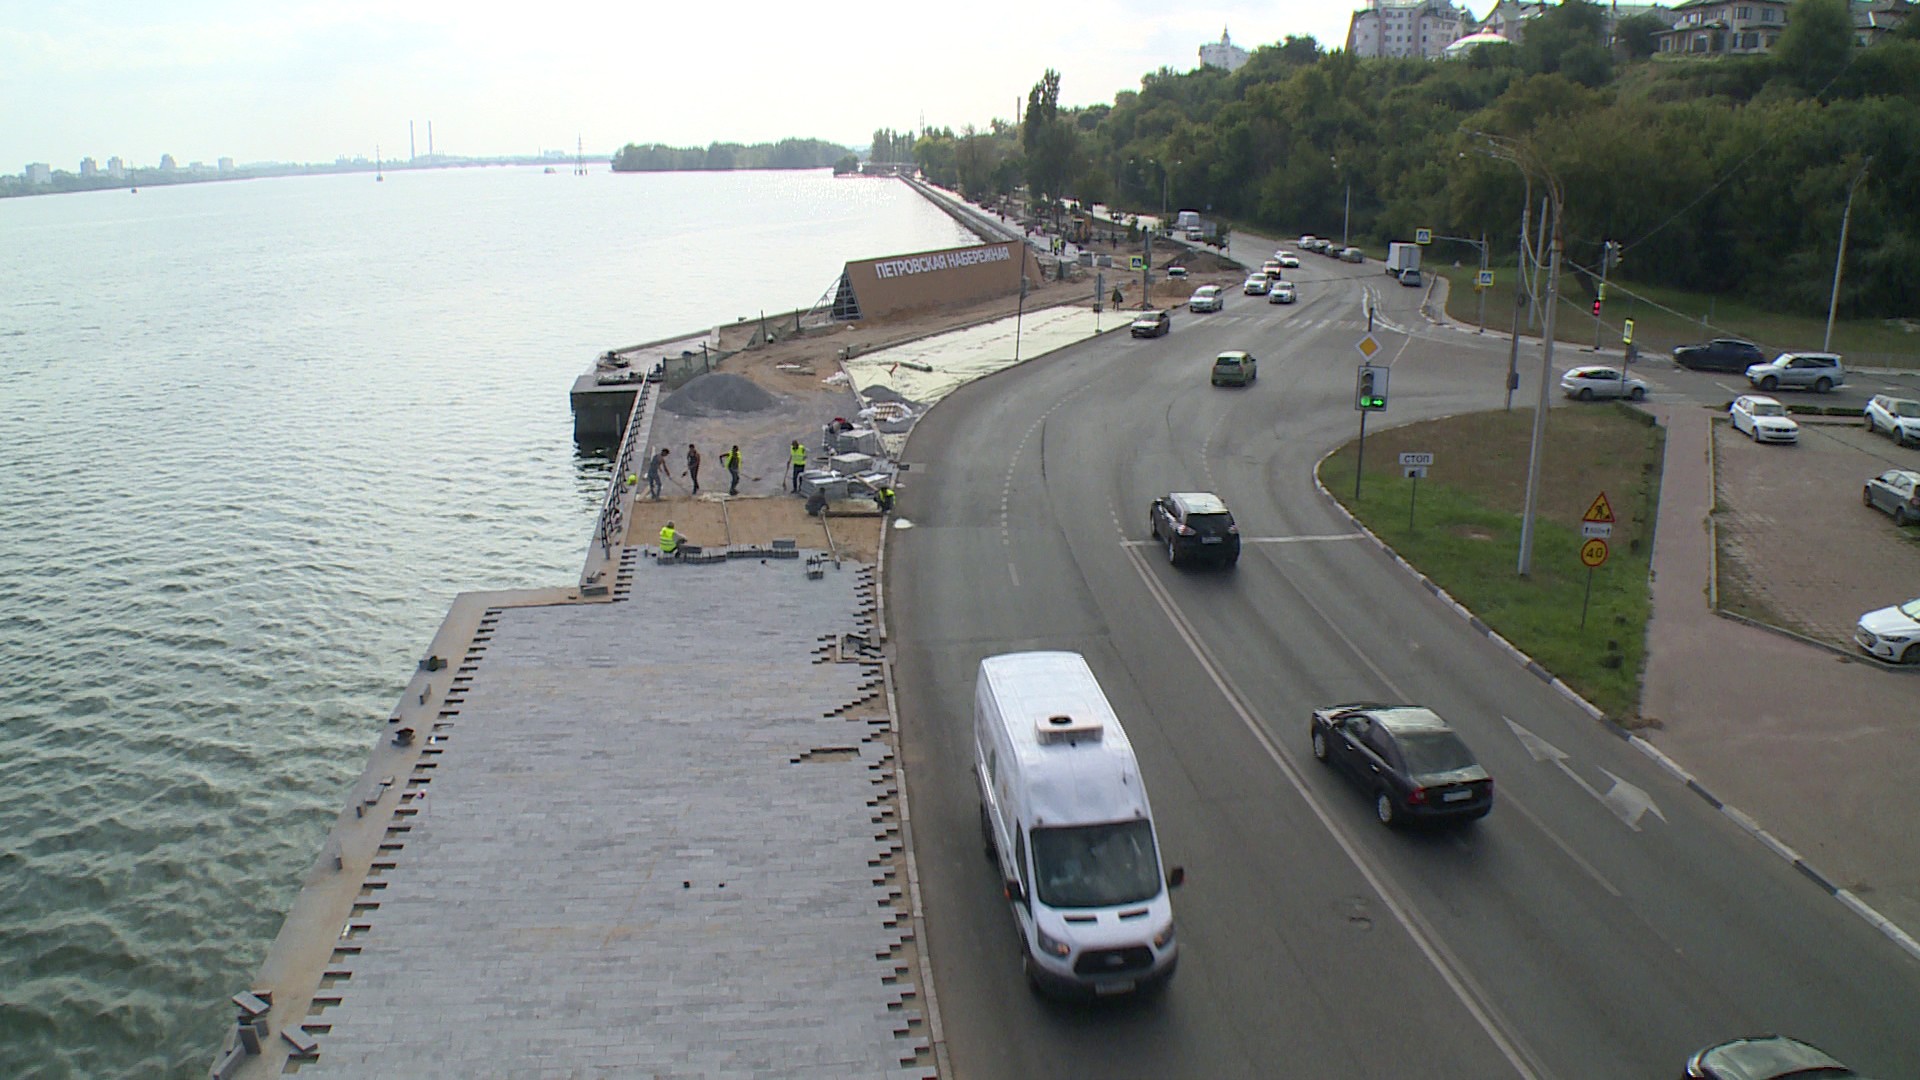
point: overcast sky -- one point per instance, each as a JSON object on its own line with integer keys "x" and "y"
{"x": 305, "y": 80}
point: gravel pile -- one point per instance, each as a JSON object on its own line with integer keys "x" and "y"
{"x": 717, "y": 393}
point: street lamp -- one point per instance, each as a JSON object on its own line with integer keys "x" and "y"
{"x": 1346, "y": 217}
{"x": 1833, "y": 302}
{"x": 1521, "y": 155}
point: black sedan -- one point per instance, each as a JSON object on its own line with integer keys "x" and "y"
{"x": 1720, "y": 354}
{"x": 1772, "y": 1057}
{"x": 1152, "y": 324}
{"x": 1409, "y": 760}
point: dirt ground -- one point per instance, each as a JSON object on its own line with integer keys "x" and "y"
{"x": 794, "y": 370}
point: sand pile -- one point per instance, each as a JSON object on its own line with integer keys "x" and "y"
{"x": 717, "y": 393}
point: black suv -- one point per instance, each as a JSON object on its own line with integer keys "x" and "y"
{"x": 1195, "y": 525}
{"x": 1413, "y": 764}
{"x": 1720, "y": 354}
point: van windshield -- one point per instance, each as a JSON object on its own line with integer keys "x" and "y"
{"x": 1090, "y": 866}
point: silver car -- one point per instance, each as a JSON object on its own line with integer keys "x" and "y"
{"x": 1819, "y": 372}
{"x": 1897, "y": 491}
{"x": 1898, "y": 417}
{"x": 1588, "y": 383}
{"x": 1353, "y": 255}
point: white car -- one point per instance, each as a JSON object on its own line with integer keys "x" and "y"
{"x": 1256, "y": 285}
{"x": 1892, "y": 633}
{"x": 1587, "y": 383}
{"x": 1205, "y": 298}
{"x": 1764, "y": 419}
{"x": 1288, "y": 260}
{"x": 1897, "y": 416}
{"x": 1280, "y": 293}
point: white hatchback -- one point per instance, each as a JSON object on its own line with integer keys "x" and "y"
{"x": 1587, "y": 383}
{"x": 1763, "y": 418}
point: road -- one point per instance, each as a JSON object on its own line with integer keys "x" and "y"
{"x": 1581, "y": 930}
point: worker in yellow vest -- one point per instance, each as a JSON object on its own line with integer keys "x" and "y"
{"x": 798, "y": 455}
{"x": 669, "y": 541}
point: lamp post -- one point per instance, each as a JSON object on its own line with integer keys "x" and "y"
{"x": 1346, "y": 216}
{"x": 1833, "y": 302}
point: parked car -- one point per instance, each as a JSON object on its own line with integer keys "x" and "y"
{"x": 1820, "y": 372}
{"x": 1414, "y": 765}
{"x": 1409, "y": 276}
{"x": 1898, "y": 417}
{"x": 1176, "y": 271}
{"x": 1897, "y": 491}
{"x": 1891, "y": 633}
{"x": 1194, "y": 525}
{"x": 1587, "y": 383}
{"x": 1152, "y": 324}
{"x": 1206, "y": 298}
{"x": 1772, "y": 1057}
{"x": 1763, "y": 418}
{"x": 1256, "y": 285}
{"x": 1280, "y": 293}
{"x": 1352, "y": 255}
{"x": 1235, "y": 368}
{"x": 1307, "y": 240}
{"x": 1720, "y": 354}
{"x": 1287, "y": 259}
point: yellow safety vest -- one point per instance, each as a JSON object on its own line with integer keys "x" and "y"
{"x": 730, "y": 459}
{"x": 669, "y": 541}
{"x": 799, "y": 455}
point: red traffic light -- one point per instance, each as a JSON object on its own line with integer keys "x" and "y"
{"x": 1596, "y": 309}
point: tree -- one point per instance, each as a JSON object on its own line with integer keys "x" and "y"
{"x": 1049, "y": 142}
{"x": 1636, "y": 34}
{"x": 1563, "y": 40}
{"x": 1816, "y": 45}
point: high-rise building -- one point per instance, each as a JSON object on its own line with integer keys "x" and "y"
{"x": 1421, "y": 28}
{"x": 226, "y": 164}
{"x": 116, "y": 168}
{"x": 1223, "y": 53}
{"x": 88, "y": 167}
{"x": 38, "y": 172}
{"x": 166, "y": 163}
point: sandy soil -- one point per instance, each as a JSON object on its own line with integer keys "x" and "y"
{"x": 794, "y": 368}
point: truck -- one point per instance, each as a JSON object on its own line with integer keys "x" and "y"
{"x": 1402, "y": 257}
{"x": 1065, "y": 816}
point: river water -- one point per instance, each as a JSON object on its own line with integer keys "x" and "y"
{"x": 254, "y": 436}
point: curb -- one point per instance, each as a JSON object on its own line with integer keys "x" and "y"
{"x": 1745, "y": 821}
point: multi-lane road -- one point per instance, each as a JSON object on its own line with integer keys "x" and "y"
{"x": 1581, "y": 930}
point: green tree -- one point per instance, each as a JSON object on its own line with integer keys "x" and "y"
{"x": 1816, "y": 45}
{"x": 1637, "y": 34}
{"x": 1047, "y": 141}
{"x": 1565, "y": 39}
{"x": 847, "y": 164}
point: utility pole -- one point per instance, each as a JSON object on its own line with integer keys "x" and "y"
{"x": 1546, "y": 369}
{"x": 1520, "y": 298}
{"x": 1482, "y": 290}
{"x": 1539, "y": 259}
{"x": 1346, "y": 218}
{"x": 1606, "y": 261}
{"x": 1146, "y": 271}
{"x": 1833, "y": 302}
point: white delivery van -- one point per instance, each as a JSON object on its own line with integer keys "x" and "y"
{"x": 1066, "y": 817}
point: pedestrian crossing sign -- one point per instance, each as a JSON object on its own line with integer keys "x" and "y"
{"x": 1423, "y": 236}
{"x": 1137, "y": 262}
{"x": 1486, "y": 279}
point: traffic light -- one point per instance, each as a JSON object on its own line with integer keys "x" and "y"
{"x": 1596, "y": 308}
{"x": 1370, "y": 395}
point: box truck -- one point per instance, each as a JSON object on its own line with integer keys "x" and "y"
{"x": 1065, "y": 817}
{"x": 1402, "y": 257}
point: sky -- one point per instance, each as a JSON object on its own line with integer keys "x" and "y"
{"x": 309, "y": 81}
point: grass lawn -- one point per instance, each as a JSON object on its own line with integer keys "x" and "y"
{"x": 1865, "y": 342}
{"x": 1465, "y": 532}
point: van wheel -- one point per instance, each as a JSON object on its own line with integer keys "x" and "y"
{"x": 1823, "y": 386}
{"x": 1383, "y": 809}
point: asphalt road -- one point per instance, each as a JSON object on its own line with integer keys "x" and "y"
{"x": 1578, "y": 931}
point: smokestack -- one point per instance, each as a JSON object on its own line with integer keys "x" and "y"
{"x": 429, "y": 140}
{"x": 409, "y": 142}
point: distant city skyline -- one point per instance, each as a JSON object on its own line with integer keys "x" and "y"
{"x": 304, "y": 81}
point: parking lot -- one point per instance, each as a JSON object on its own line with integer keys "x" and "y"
{"x": 1796, "y": 546}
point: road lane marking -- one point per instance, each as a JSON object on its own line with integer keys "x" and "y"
{"x": 1449, "y": 968}
{"x": 1627, "y": 802}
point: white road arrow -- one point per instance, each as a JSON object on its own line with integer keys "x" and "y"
{"x": 1627, "y": 802}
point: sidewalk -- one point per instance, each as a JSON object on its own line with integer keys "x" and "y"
{"x": 1822, "y": 751}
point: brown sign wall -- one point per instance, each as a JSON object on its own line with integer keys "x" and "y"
{"x": 952, "y": 277}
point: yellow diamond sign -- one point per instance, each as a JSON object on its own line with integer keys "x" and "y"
{"x": 1368, "y": 346}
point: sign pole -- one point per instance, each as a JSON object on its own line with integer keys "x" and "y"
{"x": 1360, "y": 459}
{"x": 1413, "y": 500}
{"x": 1587, "y": 599}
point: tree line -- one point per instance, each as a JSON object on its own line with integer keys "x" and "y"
{"x": 785, "y": 154}
{"x": 1717, "y": 175}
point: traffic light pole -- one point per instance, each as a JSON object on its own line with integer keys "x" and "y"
{"x": 1606, "y": 261}
{"x": 1360, "y": 460}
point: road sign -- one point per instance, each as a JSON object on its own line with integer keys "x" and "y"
{"x": 1601, "y": 510}
{"x": 1423, "y": 236}
{"x": 1414, "y": 472}
{"x": 1136, "y": 262}
{"x": 1368, "y": 346}
{"x": 1626, "y": 332}
{"x": 1416, "y": 457}
{"x": 1595, "y": 530}
{"x": 1593, "y": 553}
{"x": 1486, "y": 279}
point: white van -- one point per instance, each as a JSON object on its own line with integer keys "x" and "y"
{"x": 1065, "y": 813}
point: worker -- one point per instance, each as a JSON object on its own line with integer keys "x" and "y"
{"x": 731, "y": 459}
{"x": 798, "y": 455}
{"x": 669, "y": 541}
{"x": 884, "y": 497}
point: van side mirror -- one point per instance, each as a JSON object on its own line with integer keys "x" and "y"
{"x": 1015, "y": 894}
{"x": 1176, "y": 877}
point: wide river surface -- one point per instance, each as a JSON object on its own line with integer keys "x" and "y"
{"x": 254, "y": 436}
